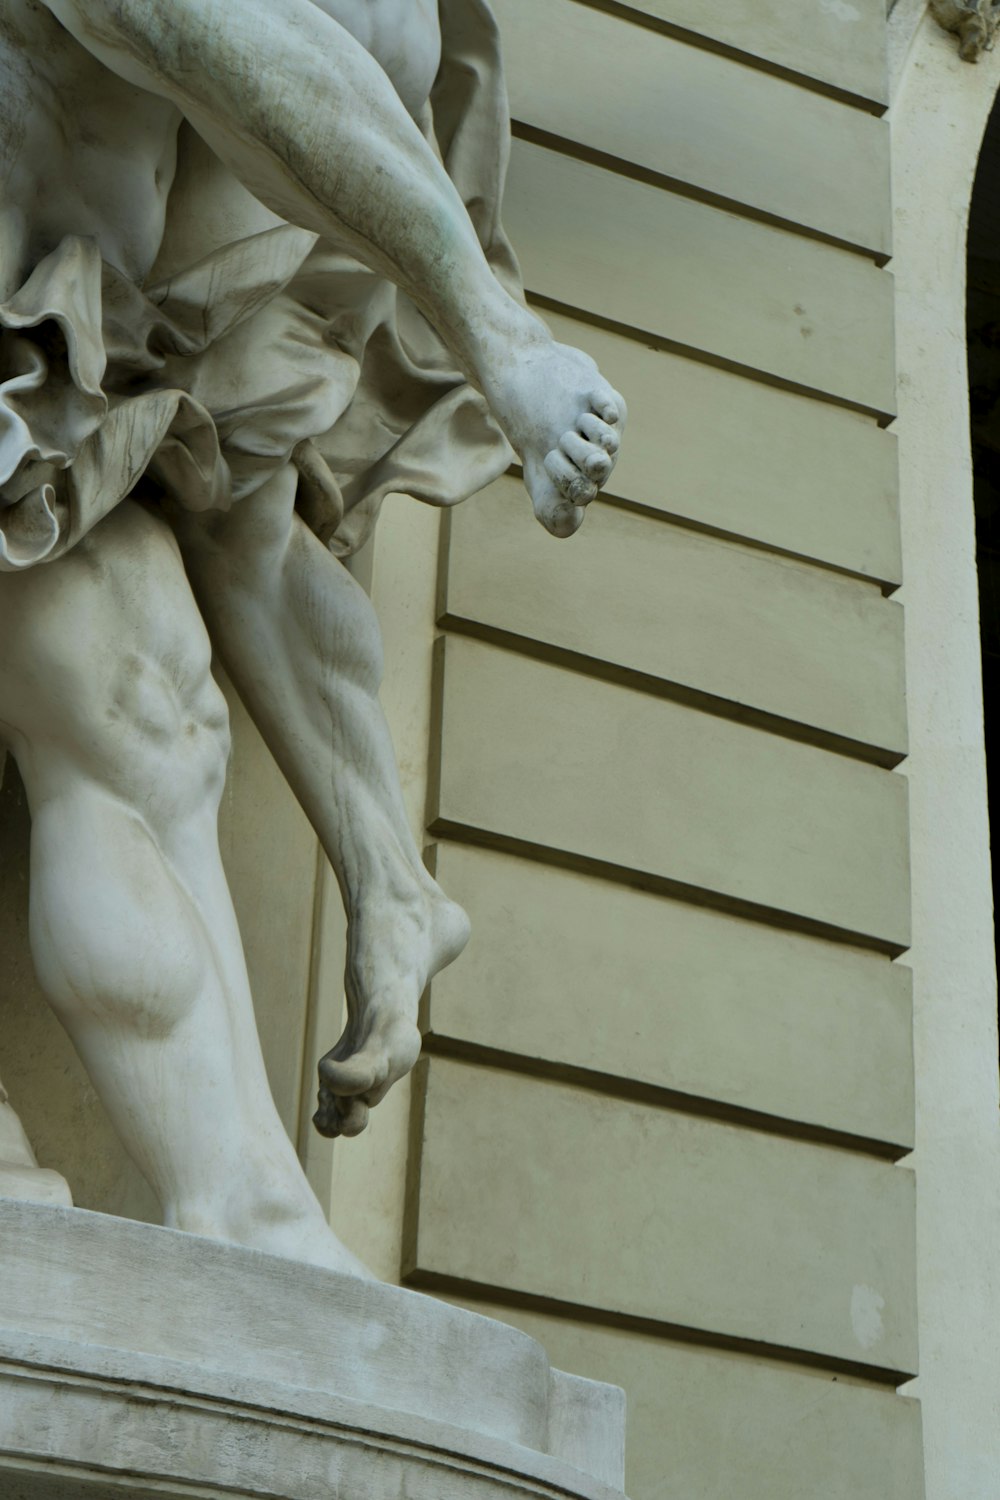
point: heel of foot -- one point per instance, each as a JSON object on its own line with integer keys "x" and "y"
{"x": 388, "y": 970}
{"x": 451, "y": 930}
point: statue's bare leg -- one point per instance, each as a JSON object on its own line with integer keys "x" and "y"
{"x": 121, "y": 736}
{"x": 338, "y": 153}
{"x": 301, "y": 642}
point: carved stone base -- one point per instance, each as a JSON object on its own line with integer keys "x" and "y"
{"x": 138, "y": 1362}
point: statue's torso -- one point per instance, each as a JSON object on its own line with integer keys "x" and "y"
{"x": 403, "y": 35}
{"x": 83, "y": 152}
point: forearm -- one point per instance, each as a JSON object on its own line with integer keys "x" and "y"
{"x": 296, "y": 107}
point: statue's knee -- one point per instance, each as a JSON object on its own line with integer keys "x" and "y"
{"x": 170, "y": 726}
{"x": 199, "y": 743}
{"x": 205, "y": 729}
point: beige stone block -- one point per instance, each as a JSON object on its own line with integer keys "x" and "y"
{"x": 545, "y": 1189}
{"x": 704, "y": 1422}
{"x": 535, "y": 754}
{"x": 749, "y": 459}
{"x": 570, "y": 971}
{"x": 766, "y": 634}
{"x": 842, "y": 45}
{"x": 762, "y": 298}
{"x": 697, "y": 117}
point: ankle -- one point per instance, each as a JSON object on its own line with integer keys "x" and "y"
{"x": 507, "y": 326}
{"x": 287, "y": 1224}
{"x": 253, "y": 1206}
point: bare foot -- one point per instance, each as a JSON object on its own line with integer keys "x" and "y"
{"x": 392, "y": 956}
{"x": 562, "y": 417}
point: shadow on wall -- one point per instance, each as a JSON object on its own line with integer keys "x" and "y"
{"x": 983, "y": 334}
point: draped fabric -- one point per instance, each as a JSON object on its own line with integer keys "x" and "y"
{"x": 272, "y": 349}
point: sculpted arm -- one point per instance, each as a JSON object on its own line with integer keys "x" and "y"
{"x": 308, "y": 120}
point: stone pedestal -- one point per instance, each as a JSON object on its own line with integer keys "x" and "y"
{"x": 139, "y": 1362}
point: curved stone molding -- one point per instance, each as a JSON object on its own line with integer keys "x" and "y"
{"x": 974, "y": 22}
{"x": 153, "y": 1362}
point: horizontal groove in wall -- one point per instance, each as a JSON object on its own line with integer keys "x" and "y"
{"x": 463, "y": 833}
{"x": 737, "y": 54}
{"x": 682, "y": 189}
{"x": 658, "y": 687}
{"x": 702, "y": 356}
{"x": 615, "y": 1087}
{"x": 819, "y": 483}
{"x": 455, "y": 1286}
{"x": 886, "y": 586}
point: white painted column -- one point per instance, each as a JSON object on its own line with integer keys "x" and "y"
{"x": 939, "y": 112}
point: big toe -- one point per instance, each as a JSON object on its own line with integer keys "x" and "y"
{"x": 560, "y": 516}
{"x": 369, "y": 1071}
{"x": 336, "y": 1116}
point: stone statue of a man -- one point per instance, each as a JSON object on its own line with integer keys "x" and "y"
{"x": 241, "y": 299}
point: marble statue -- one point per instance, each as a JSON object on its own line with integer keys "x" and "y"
{"x": 252, "y": 279}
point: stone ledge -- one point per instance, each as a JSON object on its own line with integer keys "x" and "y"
{"x": 65, "y": 1437}
{"x": 138, "y": 1361}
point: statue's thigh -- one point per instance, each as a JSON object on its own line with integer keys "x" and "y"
{"x": 104, "y": 641}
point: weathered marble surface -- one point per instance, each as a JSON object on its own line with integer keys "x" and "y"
{"x": 146, "y": 1361}
{"x": 252, "y": 278}
{"x": 974, "y": 22}
{"x": 20, "y": 1174}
